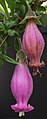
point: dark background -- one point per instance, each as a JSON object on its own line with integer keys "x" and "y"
{"x": 39, "y": 96}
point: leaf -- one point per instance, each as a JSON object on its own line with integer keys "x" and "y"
{"x": 3, "y": 48}
{"x": 30, "y": 1}
{"x": 22, "y": 10}
{"x": 2, "y": 2}
{"x": 2, "y": 28}
{"x": 40, "y": 8}
{"x": 17, "y": 44}
{"x": 44, "y": 19}
{"x": 11, "y": 5}
{"x": 22, "y": 1}
{"x": 9, "y": 59}
{"x": 2, "y": 10}
{"x": 11, "y": 32}
{"x": 10, "y": 24}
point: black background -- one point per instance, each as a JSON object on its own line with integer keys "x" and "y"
{"x": 39, "y": 96}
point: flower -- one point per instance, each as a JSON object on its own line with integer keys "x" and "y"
{"x": 22, "y": 87}
{"x": 33, "y": 45}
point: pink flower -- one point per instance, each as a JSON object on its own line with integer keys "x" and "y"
{"x": 22, "y": 87}
{"x": 33, "y": 45}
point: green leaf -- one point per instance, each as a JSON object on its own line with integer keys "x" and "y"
{"x": 1, "y": 27}
{"x": 10, "y": 24}
{"x": 1, "y": 16}
{"x": 44, "y": 19}
{"x": 11, "y": 5}
{"x": 11, "y": 32}
{"x": 2, "y": 2}
{"x": 30, "y": 1}
{"x": 22, "y": 10}
{"x": 40, "y": 8}
{"x": 3, "y": 48}
{"x": 9, "y": 59}
{"x": 21, "y": 1}
{"x": 17, "y": 44}
{"x": 2, "y": 10}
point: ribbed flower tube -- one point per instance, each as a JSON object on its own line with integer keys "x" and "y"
{"x": 33, "y": 45}
{"x": 22, "y": 88}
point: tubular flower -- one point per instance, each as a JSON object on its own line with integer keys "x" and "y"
{"x": 33, "y": 45}
{"x": 22, "y": 87}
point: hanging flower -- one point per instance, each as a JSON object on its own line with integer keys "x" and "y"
{"x": 33, "y": 45}
{"x": 22, "y": 87}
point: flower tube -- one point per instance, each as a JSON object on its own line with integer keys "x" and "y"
{"x": 22, "y": 88}
{"x": 33, "y": 45}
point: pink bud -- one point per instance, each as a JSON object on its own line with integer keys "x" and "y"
{"x": 22, "y": 87}
{"x": 33, "y": 45}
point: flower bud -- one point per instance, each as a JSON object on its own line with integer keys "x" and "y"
{"x": 22, "y": 87}
{"x": 33, "y": 45}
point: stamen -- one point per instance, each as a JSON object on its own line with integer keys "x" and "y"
{"x": 20, "y": 114}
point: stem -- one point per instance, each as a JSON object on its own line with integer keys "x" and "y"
{"x": 29, "y": 8}
{"x": 9, "y": 59}
{"x": 20, "y": 56}
{"x": 3, "y": 41}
